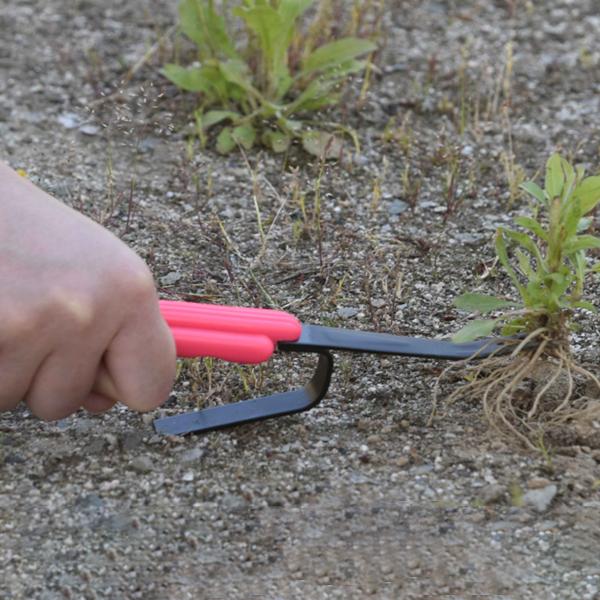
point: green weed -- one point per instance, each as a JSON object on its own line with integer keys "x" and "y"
{"x": 259, "y": 76}
{"x": 538, "y": 387}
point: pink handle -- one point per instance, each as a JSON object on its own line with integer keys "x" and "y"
{"x": 242, "y": 335}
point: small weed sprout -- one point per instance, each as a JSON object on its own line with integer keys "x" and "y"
{"x": 539, "y": 385}
{"x": 261, "y": 88}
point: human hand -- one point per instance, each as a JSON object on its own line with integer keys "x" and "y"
{"x": 80, "y": 324}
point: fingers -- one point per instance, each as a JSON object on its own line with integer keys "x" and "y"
{"x": 140, "y": 362}
{"x": 62, "y": 383}
{"x": 17, "y": 371}
{"x": 97, "y": 403}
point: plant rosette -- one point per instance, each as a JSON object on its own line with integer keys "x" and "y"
{"x": 537, "y": 388}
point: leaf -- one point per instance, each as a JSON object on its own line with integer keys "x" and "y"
{"x": 555, "y": 178}
{"x": 534, "y": 190}
{"x": 322, "y": 144}
{"x": 586, "y": 305}
{"x": 276, "y": 140}
{"x": 533, "y": 226}
{"x": 237, "y": 72}
{"x": 193, "y": 79}
{"x": 212, "y": 117}
{"x": 588, "y": 192}
{"x": 245, "y": 135}
{"x": 203, "y": 25}
{"x": 482, "y": 303}
{"x": 475, "y": 329}
{"x": 582, "y": 242}
{"x": 225, "y": 141}
{"x": 584, "y": 224}
{"x": 336, "y": 53}
{"x": 505, "y": 262}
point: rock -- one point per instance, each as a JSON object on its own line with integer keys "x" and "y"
{"x": 89, "y": 129}
{"x": 397, "y": 207}
{"x": 492, "y": 493}
{"x": 69, "y": 120}
{"x": 131, "y": 440}
{"x": 188, "y": 476}
{"x": 540, "y": 499}
{"x": 142, "y": 464}
{"x": 233, "y": 503}
{"x": 193, "y": 455}
{"x": 170, "y": 278}
{"x": 347, "y": 312}
{"x": 538, "y": 483}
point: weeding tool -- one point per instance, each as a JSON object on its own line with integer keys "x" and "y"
{"x": 252, "y": 335}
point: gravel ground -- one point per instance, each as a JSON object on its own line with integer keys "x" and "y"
{"x": 358, "y": 497}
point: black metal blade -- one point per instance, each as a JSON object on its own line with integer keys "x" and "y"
{"x": 315, "y": 338}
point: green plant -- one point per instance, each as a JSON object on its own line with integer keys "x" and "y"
{"x": 535, "y": 387}
{"x": 548, "y": 265}
{"x": 262, "y": 88}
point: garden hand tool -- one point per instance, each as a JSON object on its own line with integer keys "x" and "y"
{"x": 252, "y": 335}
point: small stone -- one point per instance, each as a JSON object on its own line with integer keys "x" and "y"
{"x": 188, "y": 476}
{"x": 170, "y": 278}
{"x": 492, "y": 493}
{"x": 131, "y": 440}
{"x": 538, "y": 482}
{"x": 89, "y": 129}
{"x": 147, "y": 418}
{"x": 402, "y": 461}
{"x": 192, "y": 455}
{"x": 397, "y": 207}
{"x": 347, "y": 312}
{"x": 142, "y": 464}
{"x": 69, "y": 120}
{"x": 540, "y": 499}
{"x": 377, "y": 302}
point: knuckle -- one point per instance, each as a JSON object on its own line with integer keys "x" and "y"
{"x": 75, "y": 310}
{"x": 19, "y": 323}
{"x": 137, "y": 282}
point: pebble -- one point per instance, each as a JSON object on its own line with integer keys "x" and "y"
{"x": 170, "y": 278}
{"x": 538, "y": 483}
{"x": 492, "y": 493}
{"x": 89, "y": 129}
{"x": 347, "y": 312}
{"x": 142, "y": 464}
{"x": 69, "y": 120}
{"x": 192, "y": 455}
{"x": 540, "y": 499}
{"x": 397, "y": 207}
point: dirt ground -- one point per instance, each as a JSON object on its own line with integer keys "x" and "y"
{"x": 358, "y": 497}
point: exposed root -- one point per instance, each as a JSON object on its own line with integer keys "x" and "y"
{"x": 527, "y": 393}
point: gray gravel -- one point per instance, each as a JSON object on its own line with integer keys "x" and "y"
{"x": 358, "y": 498}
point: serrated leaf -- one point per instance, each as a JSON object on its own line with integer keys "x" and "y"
{"x": 588, "y": 193}
{"x": 336, "y": 53}
{"x": 534, "y": 190}
{"x": 475, "y": 329}
{"x": 245, "y": 135}
{"x": 322, "y": 144}
{"x": 225, "y": 141}
{"x": 474, "y": 302}
{"x": 555, "y": 177}
{"x": 213, "y": 117}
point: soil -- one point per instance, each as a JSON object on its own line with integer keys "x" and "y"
{"x": 358, "y": 497}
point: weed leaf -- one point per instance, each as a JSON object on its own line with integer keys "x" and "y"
{"x": 212, "y": 117}
{"x": 582, "y": 242}
{"x": 534, "y": 190}
{"x": 586, "y": 305}
{"x": 482, "y": 303}
{"x": 475, "y": 329}
{"x": 555, "y": 177}
{"x": 533, "y": 226}
{"x": 588, "y": 193}
{"x": 192, "y": 80}
{"x": 245, "y": 135}
{"x": 276, "y": 140}
{"x": 225, "y": 141}
{"x": 336, "y": 53}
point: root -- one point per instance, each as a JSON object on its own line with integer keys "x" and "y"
{"x": 525, "y": 393}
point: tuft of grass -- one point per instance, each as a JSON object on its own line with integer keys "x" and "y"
{"x": 535, "y": 387}
{"x": 259, "y": 74}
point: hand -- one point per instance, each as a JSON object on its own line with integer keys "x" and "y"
{"x": 80, "y": 324}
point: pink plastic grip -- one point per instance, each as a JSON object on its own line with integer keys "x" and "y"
{"x": 235, "y": 334}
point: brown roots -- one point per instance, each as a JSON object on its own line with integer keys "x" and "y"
{"x": 528, "y": 393}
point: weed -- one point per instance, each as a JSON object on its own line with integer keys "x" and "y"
{"x": 260, "y": 90}
{"x": 535, "y": 387}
